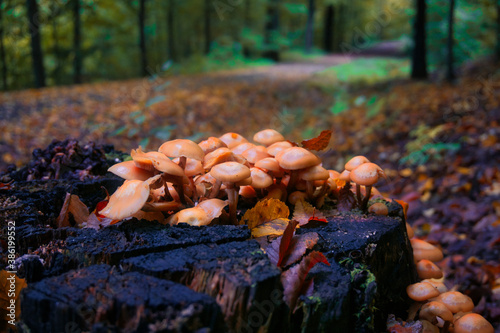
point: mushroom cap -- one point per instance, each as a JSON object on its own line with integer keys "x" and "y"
{"x": 230, "y": 172}
{"x": 193, "y": 167}
{"x": 425, "y": 250}
{"x": 426, "y": 269}
{"x": 247, "y": 191}
{"x": 260, "y": 179}
{"x": 141, "y": 160}
{"x": 211, "y": 144}
{"x": 253, "y": 155}
{"x": 269, "y": 164}
{"x": 296, "y": 196}
{"x": 194, "y": 216}
{"x": 316, "y": 172}
{"x": 277, "y": 147}
{"x": 213, "y": 207}
{"x": 355, "y": 162}
{"x": 345, "y": 176}
{"x": 128, "y": 199}
{"x": 366, "y": 174}
{"x": 431, "y": 310}
{"x": 219, "y": 156}
{"x": 157, "y": 161}
{"x": 421, "y": 291}
{"x": 296, "y": 158}
{"x": 182, "y": 147}
{"x": 242, "y": 147}
{"x": 437, "y": 284}
{"x": 245, "y": 182}
{"x": 473, "y": 323}
{"x": 128, "y": 170}
{"x": 456, "y": 301}
{"x": 268, "y": 136}
{"x": 232, "y": 139}
{"x": 378, "y": 208}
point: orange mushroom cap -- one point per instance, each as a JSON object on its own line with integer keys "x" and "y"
{"x": 182, "y": 147}
{"x": 230, "y": 172}
{"x": 431, "y": 310}
{"x": 268, "y": 163}
{"x": 426, "y": 269}
{"x": 425, "y": 250}
{"x": 253, "y": 155}
{"x": 260, "y": 179}
{"x": 366, "y": 174}
{"x": 239, "y": 149}
{"x": 268, "y": 136}
{"x": 232, "y": 139}
{"x": 421, "y": 291}
{"x": 211, "y": 144}
{"x": 296, "y": 158}
{"x": 213, "y": 207}
{"x": 378, "y": 208}
{"x": 277, "y": 147}
{"x": 193, "y": 167}
{"x": 128, "y": 170}
{"x": 473, "y": 323}
{"x": 193, "y": 216}
{"x": 355, "y": 162}
{"x": 456, "y": 301}
{"x": 316, "y": 172}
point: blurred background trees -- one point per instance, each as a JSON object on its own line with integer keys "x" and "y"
{"x": 57, "y": 42}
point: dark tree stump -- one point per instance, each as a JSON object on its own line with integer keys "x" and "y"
{"x": 98, "y": 299}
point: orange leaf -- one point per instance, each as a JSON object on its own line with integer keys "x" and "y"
{"x": 405, "y": 206}
{"x": 318, "y": 143}
{"x": 264, "y": 211}
{"x": 286, "y": 239}
{"x": 10, "y": 289}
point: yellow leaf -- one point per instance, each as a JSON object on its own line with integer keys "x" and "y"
{"x": 271, "y": 228}
{"x": 265, "y": 211}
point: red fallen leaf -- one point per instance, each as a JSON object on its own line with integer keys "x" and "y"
{"x": 286, "y": 239}
{"x": 318, "y": 143}
{"x": 297, "y": 248}
{"x": 6, "y": 186}
{"x": 101, "y": 204}
{"x": 294, "y": 279}
{"x": 398, "y": 326}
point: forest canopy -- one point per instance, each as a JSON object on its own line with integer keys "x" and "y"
{"x": 93, "y": 40}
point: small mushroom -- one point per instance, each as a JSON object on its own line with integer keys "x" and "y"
{"x": 278, "y": 147}
{"x": 378, "y": 208}
{"x": 242, "y": 147}
{"x": 425, "y": 250}
{"x": 473, "y": 323}
{"x": 193, "y": 216}
{"x": 211, "y": 144}
{"x": 260, "y": 179}
{"x": 232, "y": 139}
{"x": 366, "y": 174}
{"x": 268, "y": 136}
{"x": 128, "y": 170}
{"x": 355, "y": 162}
{"x": 431, "y": 310}
{"x": 295, "y": 159}
{"x": 230, "y": 173}
{"x": 253, "y": 155}
{"x": 426, "y": 269}
{"x": 312, "y": 174}
{"x": 456, "y": 301}
{"x": 421, "y": 291}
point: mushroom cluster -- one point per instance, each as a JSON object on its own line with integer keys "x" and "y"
{"x": 440, "y": 310}
{"x": 193, "y": 182}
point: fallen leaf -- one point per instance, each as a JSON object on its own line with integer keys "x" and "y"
{"x": 271, "y": 228}
{"x": 73, "y": 212}
{"x": 296, "y": 250}
{"x": 294, "y": 279}
{"x": 265, "y": 211}
{"x": 305, "y": 212}
{"x": 405, "y": 206}
{"x": 286, "y": 239}
{"x": 7, "y": 292}
{"x": 318, "y": 143}
{"x": 347, "y": 200}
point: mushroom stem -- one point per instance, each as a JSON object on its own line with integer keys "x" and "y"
{"x": 310, "y": 190}
{"x": 215, "y": 189}
{"x": 161, "y": 206}
{"x": 232, "y": 195}
{"x": 182, "y": 162}
{"x": 322, "y": 190}
{"x": 294, "y": 175}
{"x": 179, "y": 187}
{"x": 368, "y": 190}
{"x": 358, "y": 194}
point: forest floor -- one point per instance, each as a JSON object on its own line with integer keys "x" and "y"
{"x": 438, "y": 143}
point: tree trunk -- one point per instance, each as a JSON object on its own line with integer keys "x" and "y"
{"x": 3, "y": 61}
{"x": 36, "y": 45}
{"x": 450, "y": 74}
{"x": 310, "y": 26}
{"x": 142, "y": 37}
{"x": 77, "y": 60}
{"x": 170, "y": 31}
{"x": 56, "y": 73}
{"x": 207, "y": 32}
{"x": 498, "y": 30}
{"x": 328, "y": 29}
{"x": 419, "y": 59}
{"x": 338, "y": 31}
{"x": 271, "y": 29}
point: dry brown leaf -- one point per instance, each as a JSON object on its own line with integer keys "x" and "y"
{"x": 73, "y": 212}
{"x": 318, "y": 143}
{"x": 271, "y": 228}
{"x": 265, "y": 211}
{"x": 9, "y": 292}
{"x": 304, "y": 212}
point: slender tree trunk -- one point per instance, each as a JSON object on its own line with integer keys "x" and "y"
{"x": 271, "y": 29}
{"x": 419, "y": 59}
{"x": 36, "y": 45}
{"x": 77, "y": 60}
{"x": 170, "y": 31}
{"x": 208, "y": 34}
{"x": 3, "y": 61}
{"x": 328, "y": 29}
{"x": 56, "y": 73}
{"x": 498, "y": 30}
{"x": 450, "y": 74}
{"x": 338, "y": 31}
{"x": 142, "y": 37}
{"x": 310, "y": 25}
